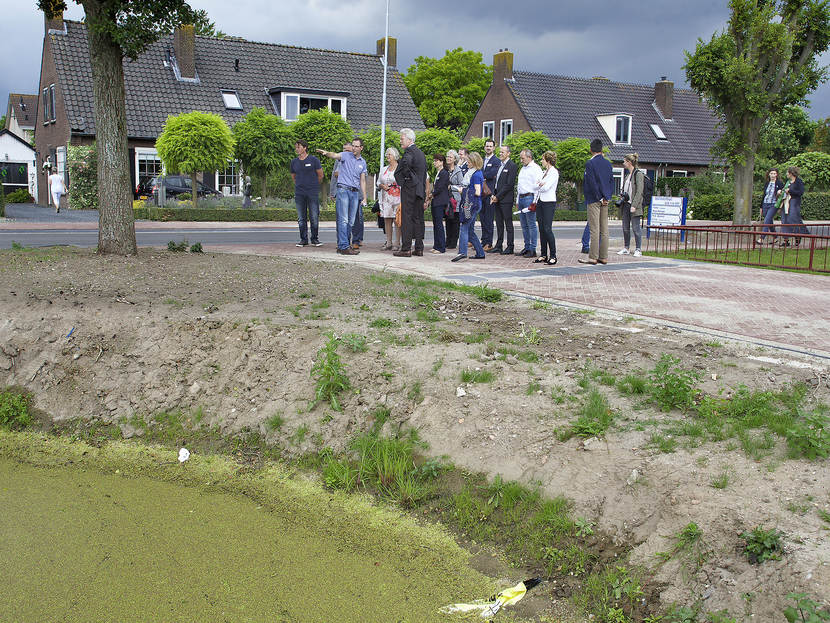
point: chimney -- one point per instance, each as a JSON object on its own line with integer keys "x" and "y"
{"x": 502, "y": 66}
{"x": 664, "y": 97}
{"x": 393, "y": 50}
{"x": 184, "y": 47}
{"x": 54, "y": 24}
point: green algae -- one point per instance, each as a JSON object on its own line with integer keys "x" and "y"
{"x": 126, "y": 533}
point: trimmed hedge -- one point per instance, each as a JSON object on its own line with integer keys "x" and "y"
{"x": 153, "y": 213}
{"x": 719, "y": 207}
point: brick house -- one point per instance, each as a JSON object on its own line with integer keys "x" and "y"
{"x": 182, "y": 72}
{"x": 671, "y": 129}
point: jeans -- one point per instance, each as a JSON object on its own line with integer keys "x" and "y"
{"x": 357, "y": 225}
{"x": 769, "y": 216}
{"x": 545, "y": 211}
{"x": 629, "y": 222}
{"x": 586, "y": 238}
{"x": 308, "y": 209}
{"x": 439, "y": 239}
{"x": 530, "y": 231}
{"x": 598, "y": 222}
{"x": 347, "y": 202}
{"x": 466, "y": 234}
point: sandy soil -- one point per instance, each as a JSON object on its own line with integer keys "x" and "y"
{"x": 236, "y": 336}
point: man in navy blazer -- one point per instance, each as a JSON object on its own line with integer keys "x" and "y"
{"x": 488, "y": 209}
{"x": 598, "y": 186}
{"x": 504, "y": 195}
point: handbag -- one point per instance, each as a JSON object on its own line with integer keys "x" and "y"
{"x": 381, "y": 223}
{"x": 376, "y": 207}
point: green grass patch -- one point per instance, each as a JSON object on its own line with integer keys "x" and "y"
{"x": 14, "y": 410}
{"x": 671, "y": 386}
{"x": 594, "y": 418}
{"x": 477, "y": 376}
{"x": 329, "y": 375}
{"x": 769, "y": 258}
{"x": 762, "y": 544}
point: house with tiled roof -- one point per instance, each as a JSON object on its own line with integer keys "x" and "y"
{"x": 182, "y": 72}
{"x": 671, "y": 129}
{"x": 21, "y": 114}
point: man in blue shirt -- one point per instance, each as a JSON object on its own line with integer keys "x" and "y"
{"x": 351, "y": 193}
{"x": 598, "y": 186}
{"x": 307, "y": 175}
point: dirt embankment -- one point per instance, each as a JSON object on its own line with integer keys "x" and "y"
{"x": 234, "y": 338}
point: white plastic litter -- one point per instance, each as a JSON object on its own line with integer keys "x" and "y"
{"x": 184, "y": 454}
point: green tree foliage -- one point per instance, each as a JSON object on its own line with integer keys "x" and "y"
{"x": 204, "y": 27}
{"x": 118, "y": 29}
{"x": 813, "y": 167}
{"x": 82, "y": 163}
{"x": 264, "y": 143}
{"x": 536, "y": 142}
{"x": 766, "y": 59}
{"x": 323, "y": 129}
{"x": 436, "y": 141}
{"x": 3, "y": 121}
{"x": 449, "y": 90}
{"x": 571, "y": 156}
{"x": 786, "y": 134}
{"x": 476, "y": 144}
{"x": 371, "y": 145}
{"x": 821, "y": 137}
{"x": 195, "y": 141}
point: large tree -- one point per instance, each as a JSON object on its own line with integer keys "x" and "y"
{"x": 449, "y": 90}
{"x": 766, "y": 59}
{"x": 821, "y": 136}
{"x": 117, "y": 29}
{"x": 195, "y": 141}
{"x": 264, "y": 143}
{"x": 323, "y": 129}
{"x": 786, "y": 134}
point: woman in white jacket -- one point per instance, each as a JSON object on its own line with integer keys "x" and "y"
{"x": 545, "y": 207}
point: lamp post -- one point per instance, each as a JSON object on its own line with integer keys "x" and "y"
{"x": 383, "y": 102}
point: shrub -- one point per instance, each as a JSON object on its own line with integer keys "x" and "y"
{"x": 810, "y": 437}
{"x": 14, "y": 410}
{"x": 814, "y": 169}
{"x": 715, "y": 207}
{"x": 82, "y": 165}
{"x": 21, "y": 195}
{"x": 536, "y": 142}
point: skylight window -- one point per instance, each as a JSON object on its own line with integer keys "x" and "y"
{"x": 658, "y": 132}
{"x": 231, "y": 100}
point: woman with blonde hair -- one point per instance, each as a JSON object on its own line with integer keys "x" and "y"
{"x": 631, "y": 208}
{"x": 389, "y": 198}
{"x": 471, "y": 206}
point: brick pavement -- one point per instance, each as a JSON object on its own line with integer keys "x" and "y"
{"x": 784, "y": 309}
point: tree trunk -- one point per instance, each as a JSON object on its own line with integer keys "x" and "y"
{"x": 744, "y": 174}
{"x": 194, "y": 189}
{"x": 264, "y": 186}
{"x": 116, "y": 225}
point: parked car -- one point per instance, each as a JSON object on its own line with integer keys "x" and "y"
{"x": 175, "y": 185}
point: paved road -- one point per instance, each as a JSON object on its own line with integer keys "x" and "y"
{"x": 80, "y": 228}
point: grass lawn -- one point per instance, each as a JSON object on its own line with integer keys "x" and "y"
{"x": 794, "y": 259}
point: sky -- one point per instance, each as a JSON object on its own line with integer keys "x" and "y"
{"x": 635, "y": 42}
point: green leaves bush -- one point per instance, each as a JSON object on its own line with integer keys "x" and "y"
{"x": 14, "y": 410}
{"x": 21, "y": 195}
{"x": 82, "y": 164}
{"x": 672, "y": 386}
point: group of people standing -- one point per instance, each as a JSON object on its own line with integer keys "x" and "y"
{"x": 784, "y": 197}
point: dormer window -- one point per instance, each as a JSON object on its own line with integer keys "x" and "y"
{"x": 291, "y": 104}
{"x": 623, "y": 134}
{"x": 231, "y": 99}
{"x": 658, "y": 132}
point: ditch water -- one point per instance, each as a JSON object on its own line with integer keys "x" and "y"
{"x": 83, "y": 545}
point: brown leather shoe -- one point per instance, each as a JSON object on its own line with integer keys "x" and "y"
{"x": 602, "y": 261}
{"x": 402, "y": 254}
{"x": 488, "y": 247}
{"x": 348, "y": 251}
{"x": 584, "y": 261}
{"x": 418, "y": 253}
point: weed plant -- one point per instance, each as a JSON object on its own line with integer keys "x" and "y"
{"x": 762, "y": 545}
{"x": 355, "y": 342}
{"x": 534, "y": 387}
{"x": 805, "y": 610}
{"x": 275, "y": 422}
{"x": 595, "y": 416}
{"x": 632, "y": 385}
{"x": 177, "y": 247}
{"x": 672, "y": 386}
{"x": 721, "y": 481}
{"x": 14, "y": 410}
{"x": 416, "y": 392}
{"x": 329, "y": 374}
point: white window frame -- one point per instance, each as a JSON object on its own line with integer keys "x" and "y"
{"x": 231, "y": 93}
{"x": 619, "y": 176}
{"x": 145, "y": 153}
{"x": 54, "y": 115}
{"x": 329, "y": 98}
{"x": 679, "y": 173}
{"x": 616, "y": 133}
{"x": 237, "y": 169}
{"x": 488, "y": 130}
{"x": 46, "y": 106}
{"x": 502, "y": 133}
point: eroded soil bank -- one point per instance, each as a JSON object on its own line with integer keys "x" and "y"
{"x": 230, "y": 340}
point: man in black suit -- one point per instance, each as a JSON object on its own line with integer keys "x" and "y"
{"x": 411, "y": 176}
{"x": 488, "y": 170}
{"x": 504, "y": 194}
